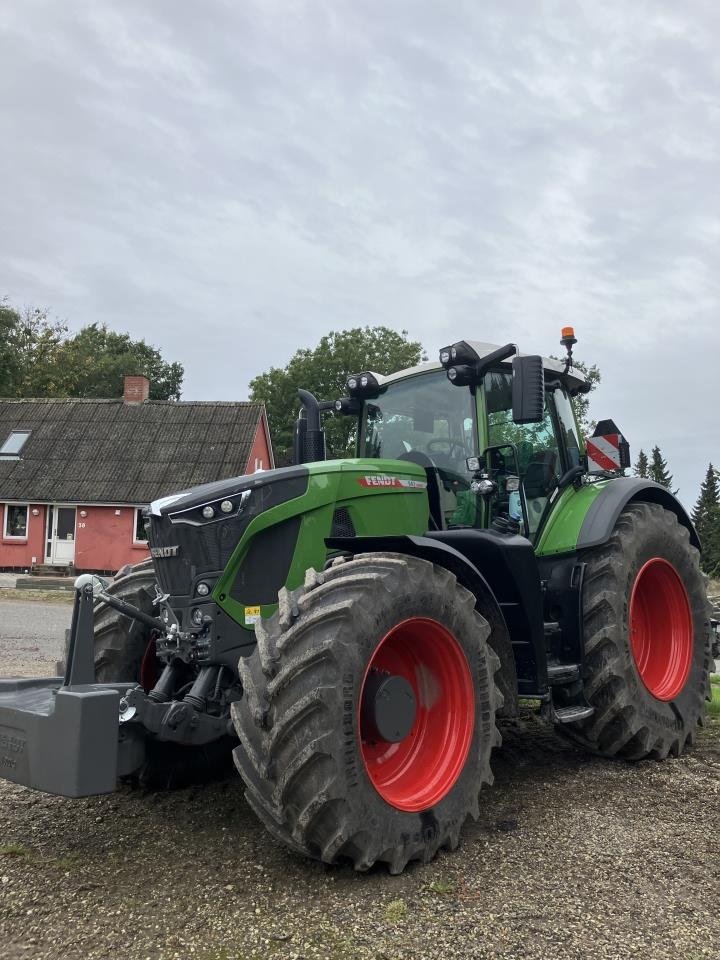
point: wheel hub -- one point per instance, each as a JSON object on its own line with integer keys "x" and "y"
{"x": 388, "y": 708}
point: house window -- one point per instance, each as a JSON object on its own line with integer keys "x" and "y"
{"x": 15, "y": 442}
{"x": 140, "y": 534}
{"x": 16, "y": 522}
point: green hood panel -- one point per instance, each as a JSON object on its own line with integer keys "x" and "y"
{"x": 370, "y": 497}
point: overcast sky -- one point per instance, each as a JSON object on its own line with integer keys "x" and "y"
{"x": 232, "y": 180}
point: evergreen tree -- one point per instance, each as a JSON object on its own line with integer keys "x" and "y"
{"x": 706, "y": 517}
{"x": 641, "y": 467}
{"x": 658, "y": 470}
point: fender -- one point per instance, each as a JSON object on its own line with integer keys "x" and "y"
{"x": 602, "y": 515}
{"x": 468, "y": 576}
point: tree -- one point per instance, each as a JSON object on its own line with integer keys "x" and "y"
{"x": 324, "y": 370}
{"x": 641, "y": 467}
{"x": 95, "y": 361}
{"x": 40, "y": 358}
{"x": 706, "y": 517}
{"x": 658, "y": 470}
{"x": 581, "y": 401}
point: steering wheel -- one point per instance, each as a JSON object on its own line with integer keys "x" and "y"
{"x": 448, "y": 445}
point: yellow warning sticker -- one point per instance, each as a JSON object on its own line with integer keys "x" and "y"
{"x": 252, "y": 615}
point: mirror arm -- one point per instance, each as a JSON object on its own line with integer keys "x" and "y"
{"x": 570, "y": 476}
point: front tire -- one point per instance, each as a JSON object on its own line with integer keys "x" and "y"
{"x": 320, "y": 775}
{"x": 647, "y": 650}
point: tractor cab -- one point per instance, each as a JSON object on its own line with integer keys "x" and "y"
{"x": 497, "y": 441}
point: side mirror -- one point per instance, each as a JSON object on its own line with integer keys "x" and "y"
{"x": 528, "y": 390}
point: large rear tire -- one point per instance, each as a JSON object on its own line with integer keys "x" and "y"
{"x": 318, "y": 771}
{"x": 647, "y": 644}
{"x": 124, "y": 651}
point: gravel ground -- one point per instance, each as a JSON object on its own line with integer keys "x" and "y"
{"x": 573, "y": 857}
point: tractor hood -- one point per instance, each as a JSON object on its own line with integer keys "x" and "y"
{"x": 187, "y": 503}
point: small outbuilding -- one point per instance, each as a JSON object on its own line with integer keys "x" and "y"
{"x": 75, "y": 475}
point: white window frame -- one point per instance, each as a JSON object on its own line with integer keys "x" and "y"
{"x": 10, "y": 536}
{"x": 138, "y": 511}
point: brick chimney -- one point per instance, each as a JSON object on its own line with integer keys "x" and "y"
{"x": 136, "y": 389}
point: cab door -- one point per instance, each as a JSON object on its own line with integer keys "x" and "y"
{"x": 543, "y": 451}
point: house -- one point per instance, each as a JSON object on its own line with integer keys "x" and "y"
{"x": 76, "y": 474}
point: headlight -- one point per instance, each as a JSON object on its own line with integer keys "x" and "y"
{"x": 208, "y": 512}
{"x": 197, "y": 617}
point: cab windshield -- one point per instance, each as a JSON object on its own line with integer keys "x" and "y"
{"x": 428, "y": 420}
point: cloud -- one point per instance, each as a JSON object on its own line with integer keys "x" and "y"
{"x": 231, "y": 180}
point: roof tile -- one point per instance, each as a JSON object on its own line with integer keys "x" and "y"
{"x": 107, "y": 451}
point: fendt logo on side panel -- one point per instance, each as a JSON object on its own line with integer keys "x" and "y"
{"x": 383, "y": 480}
{"x": 164, "y": 551}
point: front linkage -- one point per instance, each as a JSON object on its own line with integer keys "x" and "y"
{"x": 71, "y": 736}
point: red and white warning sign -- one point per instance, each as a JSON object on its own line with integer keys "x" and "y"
{"x": 603, "y": 453}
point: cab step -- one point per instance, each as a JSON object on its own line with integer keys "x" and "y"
{"x": 572, "y": 714}
{"x": 561, "y": 673}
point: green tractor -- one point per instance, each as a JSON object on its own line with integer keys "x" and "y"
{"x": 349, "y": 631}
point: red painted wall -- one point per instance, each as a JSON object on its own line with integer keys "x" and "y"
{"x": 19, "y": 553}
{"x": 260, "y": 449}
{"x": 104, "y": 539}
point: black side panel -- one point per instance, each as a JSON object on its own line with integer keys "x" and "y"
{"x": 563, "y": 577}
{"x": 267, "y": 563}
{"x": 606, "y": 508}
{"x": 469, "y": 576}
{"x": 509, "y": 566}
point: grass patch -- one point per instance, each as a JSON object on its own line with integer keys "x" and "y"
{"x": 46, "y": 596}
{"x": 395, "y": 911}
{"x": 443, "y": 888}
{"x": 714, "y": 705}
{"x": 14, "y": 850}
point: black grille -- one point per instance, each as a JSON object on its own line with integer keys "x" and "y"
{"x": 342, "y": 525}
{"x": 201, "y": 549}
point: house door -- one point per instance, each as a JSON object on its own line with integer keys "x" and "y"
{"x": 60, "y": 547}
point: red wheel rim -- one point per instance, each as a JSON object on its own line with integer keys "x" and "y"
{"x": 420, "y": 770}
{"x": 661, "y": 629}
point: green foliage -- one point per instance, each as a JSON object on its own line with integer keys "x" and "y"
{"x": 658, "y": 469}
{"x": 324, "y": 370}
{"x": 714, "y": 705}
{"x": 706, "y": 517}
{"x": 40, "y": 358}
{"x": 641, "y": 467}
{"x": 395, "y": 911}
{"x": 96, "y": 359}
{"x": 443, "y": 887}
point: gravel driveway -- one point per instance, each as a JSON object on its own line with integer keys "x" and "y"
{"x": 573, "y": 857}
